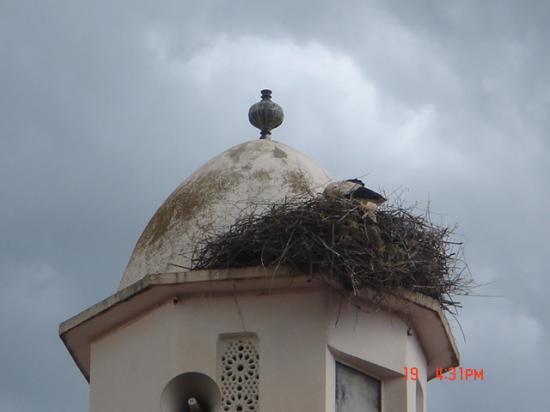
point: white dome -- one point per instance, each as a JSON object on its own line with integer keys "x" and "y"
{"x": 258, "y": 171}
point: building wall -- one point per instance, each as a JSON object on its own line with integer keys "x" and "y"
{"x": 378, "y": 343}
{"x": 131, "y": 365}
{"x": 416, "y": 390}
{"x": 301, "y": 334}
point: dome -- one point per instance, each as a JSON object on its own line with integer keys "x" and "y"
{"x": 245, "y": 176}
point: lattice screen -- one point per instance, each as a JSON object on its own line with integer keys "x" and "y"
{"x": 239, "y": 372}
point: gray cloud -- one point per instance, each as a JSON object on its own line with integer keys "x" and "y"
{"x": 106, "y": 107}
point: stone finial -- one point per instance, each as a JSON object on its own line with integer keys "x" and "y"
{"x": 265, "y": 115}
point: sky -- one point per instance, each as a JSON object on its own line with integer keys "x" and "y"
{"x": 106, "y": 106}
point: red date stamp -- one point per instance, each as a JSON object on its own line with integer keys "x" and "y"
{"x": 448, "y": 374}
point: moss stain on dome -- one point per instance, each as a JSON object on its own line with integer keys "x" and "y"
{"x": 261, "y": 175}
{"x": 278, "y": 153}
{"x": 235, "y": 152}
{"x": 186, "y": 202}
{"x": 298, "y": 182}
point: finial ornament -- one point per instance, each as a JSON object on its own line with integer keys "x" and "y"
{"x": 266, "y": 115}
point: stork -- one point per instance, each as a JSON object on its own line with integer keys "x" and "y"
{"x": 369, "y": 200}
{"x": 354, "y": 189}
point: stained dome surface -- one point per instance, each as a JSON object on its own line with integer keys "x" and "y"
{"x": 246, "y": 176}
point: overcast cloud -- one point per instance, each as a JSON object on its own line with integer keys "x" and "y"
{"x": 106, "y": 106}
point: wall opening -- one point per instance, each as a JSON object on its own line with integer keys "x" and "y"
{"x": 356, "y": 391}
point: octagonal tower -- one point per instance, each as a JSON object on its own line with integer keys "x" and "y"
{"x": 174, "y": 339}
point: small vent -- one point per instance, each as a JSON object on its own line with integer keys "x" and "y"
{"x": 239, "y": 373}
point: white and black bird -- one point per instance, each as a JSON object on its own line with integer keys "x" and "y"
{"x": 354, "y": 189}
{"x": 368, "y": 200}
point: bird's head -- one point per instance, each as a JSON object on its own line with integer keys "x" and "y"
{"x": 356, "y": 181}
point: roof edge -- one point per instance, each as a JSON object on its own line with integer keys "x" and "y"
{"x": 79, "y": 331}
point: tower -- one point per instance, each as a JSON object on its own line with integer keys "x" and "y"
{"x": 174, "y": 339}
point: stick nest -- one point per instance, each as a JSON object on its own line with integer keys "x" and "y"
{"x": 333, "y": 239}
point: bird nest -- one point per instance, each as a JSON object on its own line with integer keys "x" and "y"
{"x": 333, "y": 239}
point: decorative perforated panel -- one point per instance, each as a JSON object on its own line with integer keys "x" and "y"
{"x": 239, "y": 372}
